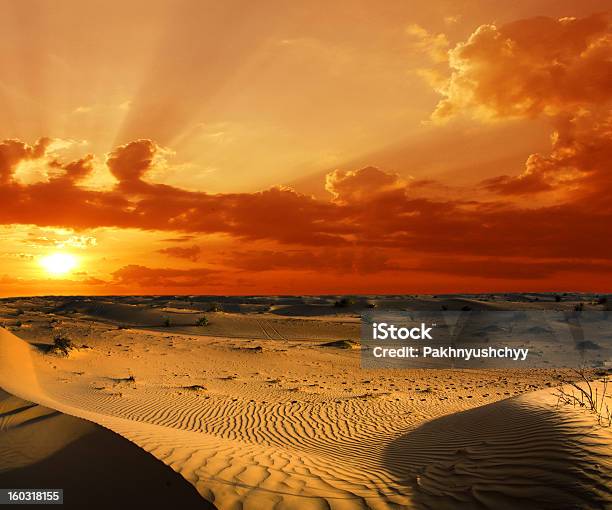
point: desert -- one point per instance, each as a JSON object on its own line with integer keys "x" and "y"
{"x": 267, "y": 405}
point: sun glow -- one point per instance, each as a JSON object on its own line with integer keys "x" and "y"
{"x": 59, "y": 263}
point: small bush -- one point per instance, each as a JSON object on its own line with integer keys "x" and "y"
{"x": 557, "y": 298}
{"x": 202, "y": 321}
{"x": 586, "y": 345}
{"x": 581, "y": 393}
{"x": 194, "y": 387}
{"x": 344, "y": 302}
{"x": 579, "y": 307}
{"x": 62, "y": 343}
{"x": 214, "y": 307}
{"x": 125, "y": 380}
{"x": 167, "y": 322}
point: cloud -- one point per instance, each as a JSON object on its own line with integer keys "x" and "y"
{"x": 76, "y": 241}
{"x": 579, "y": 162}
{"x": 13, "y": 152}
{"x": 39, "y": 241}
{"x": 136, "y": 275}
{"x": 182, "y": 239}
{"x": 75, "y": 171}
{"x": 129, "y": 162}
{"x": 531, "y": 67}
{"x": 51, "y": 285}
{"x": 189, "y": 253}
{"x": 17, "y": 255}
{"x": 368, "y": 208}
{"x": 90, "y": 280}
{"x": 558, "y": 69}
{"x": 341, "y": 261}
{"x": 361, "y": 185}
{"x": 435, "y": 45}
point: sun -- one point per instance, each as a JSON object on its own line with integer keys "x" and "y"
{"x": 58, "y": 263}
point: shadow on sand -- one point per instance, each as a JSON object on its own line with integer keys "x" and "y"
{"x": 96, "y": 468}
{"x": 506, "y": 455}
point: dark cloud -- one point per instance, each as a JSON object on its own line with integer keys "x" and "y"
{"x": 136, "y": 275}
{"x": 183, "y": 252}
{"x": 345, "y": 260}
{"x": 129, "y": 162}
{"x": 13, "y": 152}
{"x": 384, "y": 217}
{"x": 361, "y": 185}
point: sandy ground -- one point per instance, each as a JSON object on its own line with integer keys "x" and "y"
{"x": 255, "y": 412}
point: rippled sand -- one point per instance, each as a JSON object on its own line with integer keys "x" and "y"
{"x": 269, "y": 422}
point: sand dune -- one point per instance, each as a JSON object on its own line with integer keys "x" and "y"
{"x": 293, "y": 425}
{"x": 222, "y": 324}
{"x": 516, "y": 453}
{"x": 97, "y": 468}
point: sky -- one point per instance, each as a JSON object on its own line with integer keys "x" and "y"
{"x": 237, "y": 147}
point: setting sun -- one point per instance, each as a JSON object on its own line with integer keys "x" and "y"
{"x": 58, "y": 263}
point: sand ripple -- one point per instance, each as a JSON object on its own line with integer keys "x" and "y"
{"x": 249, "y": 452}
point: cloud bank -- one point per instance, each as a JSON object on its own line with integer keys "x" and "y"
{"x": 553, "y": 215}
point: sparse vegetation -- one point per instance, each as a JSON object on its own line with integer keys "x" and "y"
{"x": 167, "y": 322}
{"x": 124, "y": 380}
{"x": 62, "y": 344}
{"x": 194, "y": 387}
{"x": 344, "y": 302}
{"x": 214, "y": 307}
{"x": 579, "y": 307}
{"x": 202, "y": 321}
{"x": 581, "y": 393}
{"x": 587, "y": 345}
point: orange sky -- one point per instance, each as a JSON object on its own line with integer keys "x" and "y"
{"x": 305, "y": 147}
